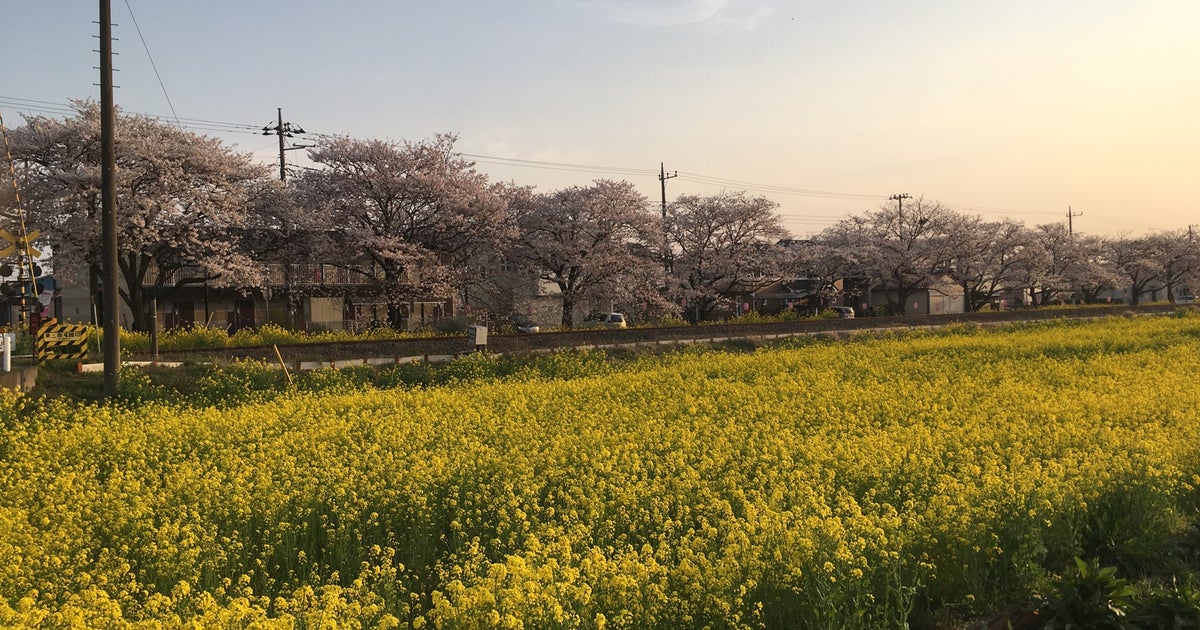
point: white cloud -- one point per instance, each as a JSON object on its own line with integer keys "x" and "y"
{"x": 723, "y": 14}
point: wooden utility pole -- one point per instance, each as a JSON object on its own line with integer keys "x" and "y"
{"x": 108, "y": 209}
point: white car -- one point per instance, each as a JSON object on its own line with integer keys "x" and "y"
{"x": 613, "y": 320}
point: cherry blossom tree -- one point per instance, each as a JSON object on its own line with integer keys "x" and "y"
{"x": 286, "y": 236}
{"x": 1139, "y": 263}
{"x": 1180, "y": 259}
{"x": 822, "y": 266}
{"x": 1063, "y": 266}
{"x": 479, "y": 276}
{"x": 8, "y": 199}
{"x": 590, "y": 241}
{"x": 898, "y": 248}
{"x": 723, "y": 244}
{"x": 180, "y": 197}
{"x": 985, "y": 256}
{"x": 406, "y": 209}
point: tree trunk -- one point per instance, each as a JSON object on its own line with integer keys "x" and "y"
{"x": 901, "y": 304}
{"x": 136, "y": 301}
{"x": 395, "y": 307}
{"x": 568, "y": 310}
{"x": 133, "y": 294}
{"x": 704, "y": 309}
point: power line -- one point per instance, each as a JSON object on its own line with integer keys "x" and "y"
{"x": 153, "y": 65}
{"x": 785, "y": 190}
{"x": 21, "y": 105}
{"x": 216, "y": 126}
{"x": 993, "y": 210}
{"x": 690, "y": 177}
{"x": 558, "y": 166}
{"x": 61, "y": 109}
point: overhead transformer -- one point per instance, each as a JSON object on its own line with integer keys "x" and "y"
{"x": 60, "y": 341}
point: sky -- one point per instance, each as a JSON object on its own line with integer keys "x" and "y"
{"x": 1022, "y": 109}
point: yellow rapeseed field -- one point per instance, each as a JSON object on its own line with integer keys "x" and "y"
{"x": 823, "y": 485}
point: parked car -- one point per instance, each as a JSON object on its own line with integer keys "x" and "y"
{"x": 615, "y": 320}
{"x": 606, "y": 320}
{"x": 523, "y": 324}
{"x": 843, "y": 312}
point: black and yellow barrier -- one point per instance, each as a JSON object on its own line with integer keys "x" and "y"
{"x": 60, "y": 341}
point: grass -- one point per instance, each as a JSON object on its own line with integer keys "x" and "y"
{"x": 61, "y": 380}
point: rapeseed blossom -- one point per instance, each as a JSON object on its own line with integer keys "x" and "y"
{"x": 833, "y": 485}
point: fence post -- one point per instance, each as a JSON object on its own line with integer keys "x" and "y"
{"x": 7, "y": 341}
{"x": 154, "y": 330}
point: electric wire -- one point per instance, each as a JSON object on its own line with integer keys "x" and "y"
{"x": 153, "y": 65}
{"x": 46, "y": 107}
{"x": 615, "y": 170}
{"x": 694, "y": 178}
{"x": 786, "y": 190}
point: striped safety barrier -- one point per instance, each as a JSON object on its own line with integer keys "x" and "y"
{"x": 60, "y": 341}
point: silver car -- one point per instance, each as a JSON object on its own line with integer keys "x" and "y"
{"x": 843, "y": 312}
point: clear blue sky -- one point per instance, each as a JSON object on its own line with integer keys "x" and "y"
{"x": 1019, "y": 108}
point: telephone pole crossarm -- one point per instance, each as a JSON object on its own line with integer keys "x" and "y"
{"x": 1070, "y": 220}
{"x": 284, "y": 130}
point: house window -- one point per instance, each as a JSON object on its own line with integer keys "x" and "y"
{"x": 507, "y": 265}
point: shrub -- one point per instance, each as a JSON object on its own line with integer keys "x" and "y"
{"x": 1088, "y": 597}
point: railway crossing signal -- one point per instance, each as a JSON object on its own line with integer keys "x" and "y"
{"x": 19, "y": 244}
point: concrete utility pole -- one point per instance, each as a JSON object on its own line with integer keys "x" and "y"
{"x": 108, "y": 209}
{"x": 662, "y": 179}
{"x": 1070, "y": 221}
{"x": 283, "y": 130}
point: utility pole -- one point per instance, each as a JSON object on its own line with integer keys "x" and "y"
{"x": 662, "y": 179}
{"x": 284, "y": 130}
{"x": 1070, "y": 221}
{"x": 899, "y": 199}
{"x": 108, "y": 208}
